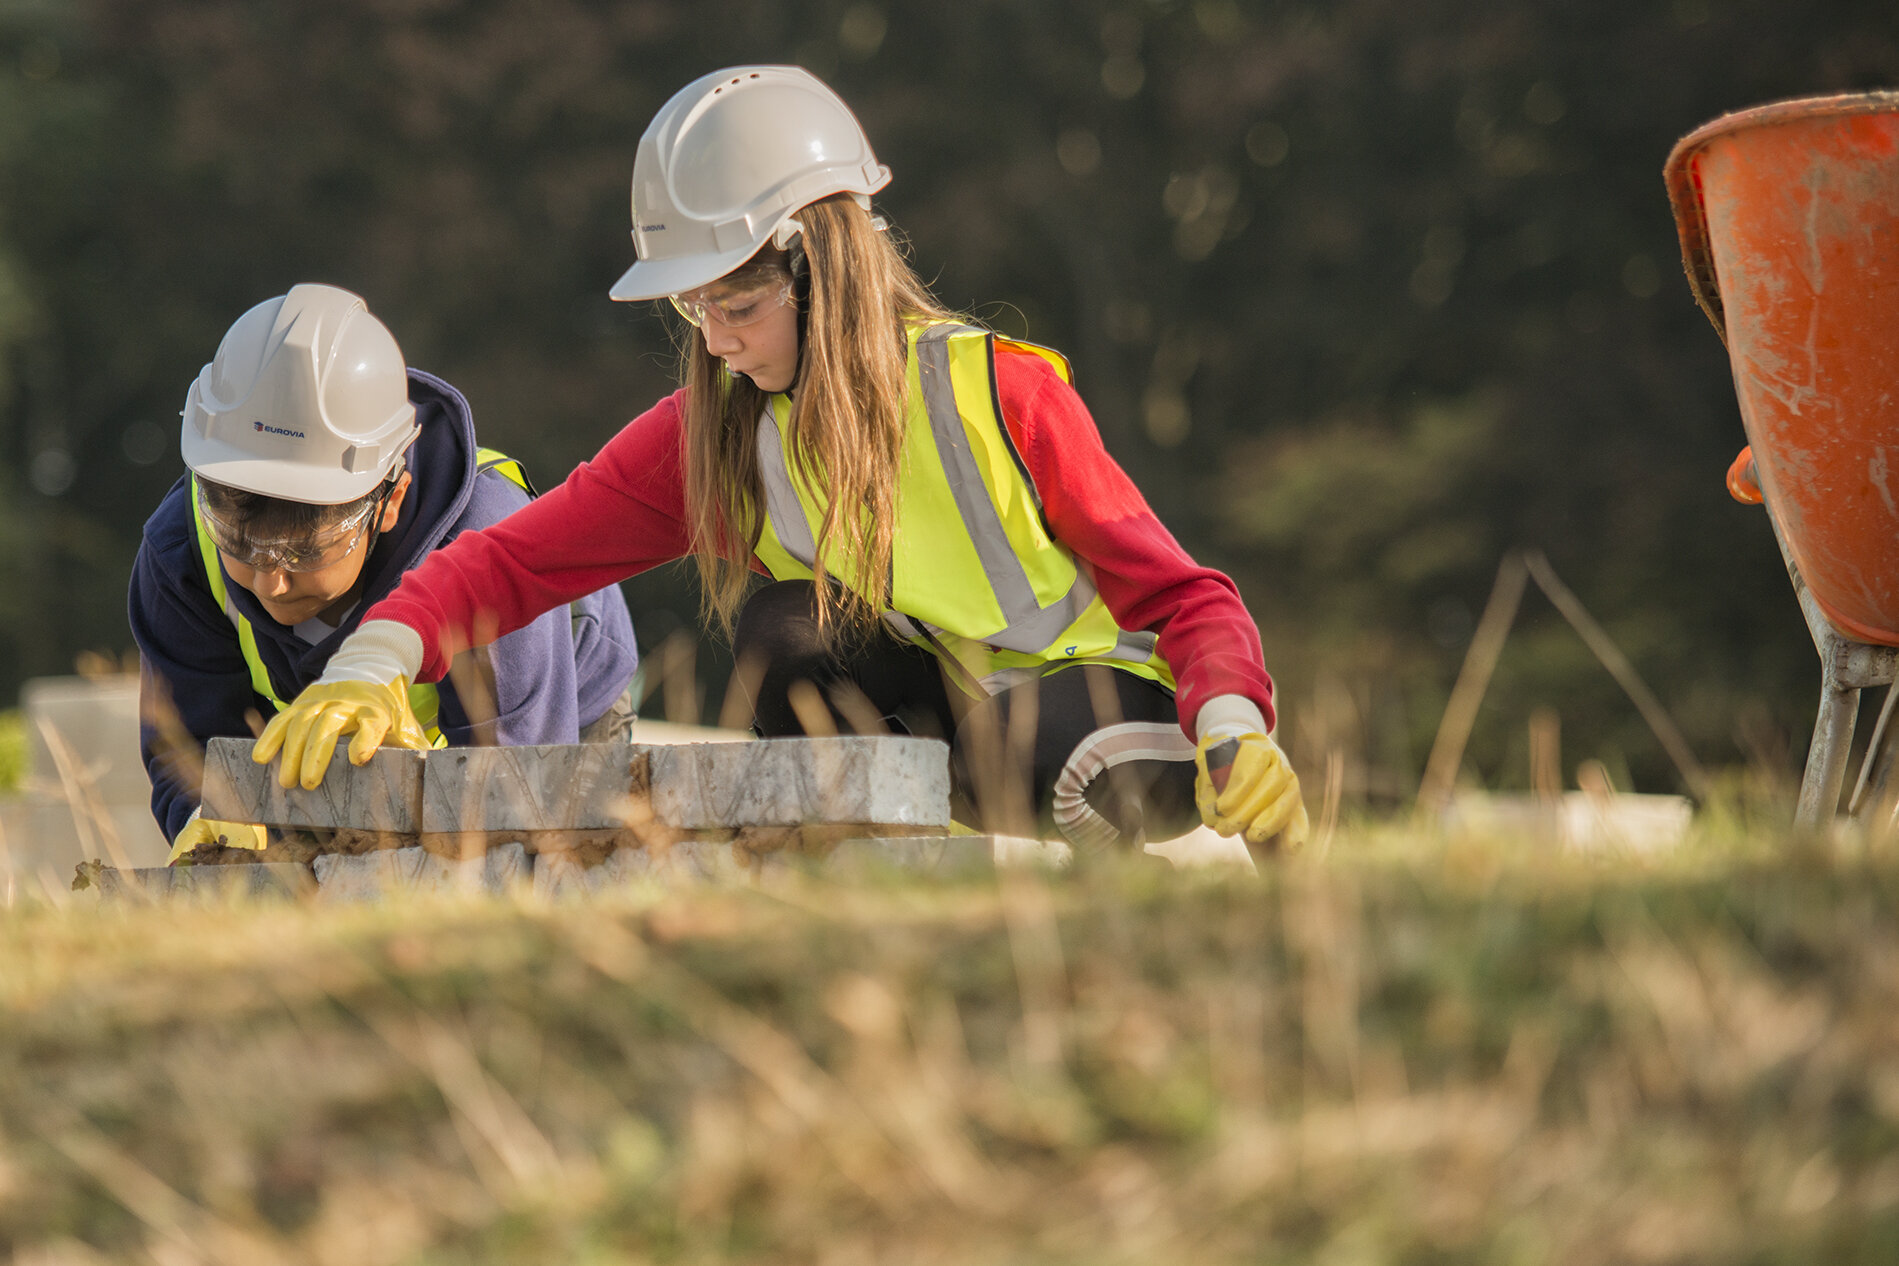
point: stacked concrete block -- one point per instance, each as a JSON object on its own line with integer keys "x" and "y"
{"x": 945, "y": 855}
{"x": 258, "y": 880}
{"x": 790, "y": 782}
{"x": 366, "y": 876}
{"x": 582, "y": 818}
{"x": 377, "y": 805}
{"x": 687, "y": 861}
{"x": 476, "y": 795}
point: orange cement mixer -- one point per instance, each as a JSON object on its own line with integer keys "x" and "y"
{"x": 1789, "y": 222}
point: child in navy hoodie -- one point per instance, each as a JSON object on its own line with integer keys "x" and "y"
{"x": 322, "y": 469}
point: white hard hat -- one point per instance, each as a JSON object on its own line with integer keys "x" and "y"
{"x": 726, "y": 162}
{"x": 306, "y": 400}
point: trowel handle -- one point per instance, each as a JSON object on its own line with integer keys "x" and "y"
{"x": 1220, "y": 758}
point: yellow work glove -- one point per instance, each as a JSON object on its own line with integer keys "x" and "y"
{"x": 201, "y": 831}
{"x": 1246, "y": 787}
{"x": 306, "y": 731}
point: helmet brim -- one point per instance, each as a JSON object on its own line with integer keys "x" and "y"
{"x": 658, "y": 278}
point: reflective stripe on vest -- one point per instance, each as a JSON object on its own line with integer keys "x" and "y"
{"x": 424, "y": 699}
{"x": 975, "y": 574}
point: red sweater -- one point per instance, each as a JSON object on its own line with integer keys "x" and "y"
{"x": 623, "y": 512}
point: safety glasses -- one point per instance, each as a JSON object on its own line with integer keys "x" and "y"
{"x": 736, "y": 303}
{"x": 312, "y": 552}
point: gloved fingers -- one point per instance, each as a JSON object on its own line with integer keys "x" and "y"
{"x": 1292, "y": 837}
{"x": 272, "y": 739}
{"x": 1257, "y": 755}
{"x": 412, "y": 736}
{"x": 295, "y": 737}
{"x": 320, "y": 745}
{"x": 1275, "y": 816}
{"x": 407, "y": 731}
{"x": 370, "y": 729}
{"x": 1247, "y": 797}
{"x": 1205, "y": 798}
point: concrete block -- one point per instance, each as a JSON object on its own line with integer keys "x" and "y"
{"x": 275, "y": 880}
{"x": 383, "y": 796}
{"x": 41, "y": 832}
{"x": 694, "y": 861}
{"x": 923, "y": 853}
{"x": 926, "y": 854}
{"x": 370, "y": 876}
{"x": 944, "y": 855}
{"x": 86, "y": 796}
{"x": 95, "y": 722}
{"x": 562, "y": 787}
{"x": 787, "y": 782}
{"x": 683, "y": 862}
{"x": 564, "y": 875}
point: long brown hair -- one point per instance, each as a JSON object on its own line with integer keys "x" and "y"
{"x": 847, "y": 422}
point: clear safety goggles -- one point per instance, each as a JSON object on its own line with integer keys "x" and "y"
{"x": 306, "y": 552}
{"x": 737, "y": 302}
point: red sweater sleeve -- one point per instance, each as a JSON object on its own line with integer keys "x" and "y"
{"x": 614, "y": 517}
{"x": 1147, "y": 580}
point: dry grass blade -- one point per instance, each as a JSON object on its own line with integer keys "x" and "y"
{"x": 1035, "y": 944}
{"x": 189, "y": 1232}
{"x": 1334, "y": 796}
{"x": 97, "y": 834}
{"x": 482, "y": 1108}
{"x": 1473, "y": 679}
{"x": 862, "y": 1152}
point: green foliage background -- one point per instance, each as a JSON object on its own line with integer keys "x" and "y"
{"x": 1363, "y": 293}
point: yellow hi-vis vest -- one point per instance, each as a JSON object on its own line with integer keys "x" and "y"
{"x": 976, "y": 575}
{"x": 424, "y": 699}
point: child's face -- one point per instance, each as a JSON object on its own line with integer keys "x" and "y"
{"x": 763, "y": 344}
{"x": 291, "y": 597}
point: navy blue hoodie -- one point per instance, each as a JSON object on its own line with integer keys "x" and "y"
{"x": 551, "y": 678}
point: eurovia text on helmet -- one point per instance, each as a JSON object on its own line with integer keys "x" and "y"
{"x": 284, "y": 431}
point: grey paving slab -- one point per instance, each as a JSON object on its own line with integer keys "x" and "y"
{"x": 562, "y": 875}
{"x": 258, "y": 880}
{"x": 370, "y": 876}
{"x": 684, "y": 862}
{"x": 558, "y": 787}
{"x": 928, "y": 854}
{"x": 789, "y": 782}
{"x": 944, "y": 854}
{"x": 384, "y": 795}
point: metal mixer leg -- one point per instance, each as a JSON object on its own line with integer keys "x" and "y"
{"x": 1826, "y": 759}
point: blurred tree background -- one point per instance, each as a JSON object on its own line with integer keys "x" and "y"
{"x": 1363, "y": 293}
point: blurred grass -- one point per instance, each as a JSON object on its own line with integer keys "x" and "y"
{"x": 15, "y": 759}
{"x": 1416, "y": 1052}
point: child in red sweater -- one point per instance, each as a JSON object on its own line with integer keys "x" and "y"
{"x": 951, "y": 551}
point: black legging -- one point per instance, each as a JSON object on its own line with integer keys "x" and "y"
{"x": 1089, "y": 752}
